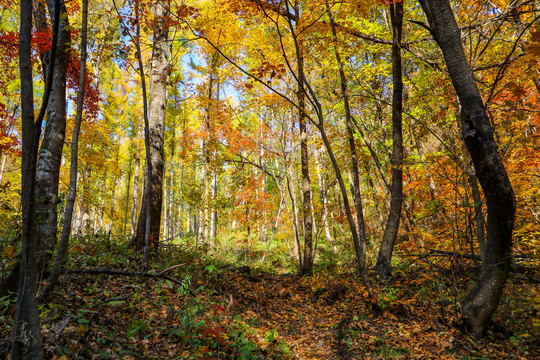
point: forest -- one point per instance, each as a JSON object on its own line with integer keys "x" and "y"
{"x": 269, "y": 179}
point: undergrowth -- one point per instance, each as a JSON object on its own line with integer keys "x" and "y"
{"x": 225, "y": 303}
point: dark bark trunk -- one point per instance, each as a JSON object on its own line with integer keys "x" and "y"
{"x": 26, "y": 337}
{"x": 50, "y": 153}
{"x": 478, "y": 213}
{"x": 66, "y": 231}
{"x": 384, "y": 259}
{"x": 482, "y": 301}
{"x": 307, "y": 263}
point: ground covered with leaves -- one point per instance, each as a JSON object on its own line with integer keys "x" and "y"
{"x": 195, "y": 305}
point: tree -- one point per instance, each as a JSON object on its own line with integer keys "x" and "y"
{"x": 384, "y": 259}
{"x": 50, "y": 152}
{"x": 66, "y": 230}
{"x": 306, "y": 263}
{"x": 482, "y": 301}
{"x": 26, "y": 340}
{"x": 156, "y": 117}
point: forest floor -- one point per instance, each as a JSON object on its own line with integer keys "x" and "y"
{"x": 213, "y": 310}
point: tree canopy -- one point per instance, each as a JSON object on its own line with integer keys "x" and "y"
{"x": 311, "y": 137}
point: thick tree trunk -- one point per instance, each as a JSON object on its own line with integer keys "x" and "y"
{"x": 480, "y": 304}
{"x": 26, "y": 338}
{"x": 159, "y": 76}
{"x": 384, "y": 259}
{"x": 73, "y": 172}
{"x": 50, "y": 153}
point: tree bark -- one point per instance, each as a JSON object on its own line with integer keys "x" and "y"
{"x": 136, "y": 171}
{"x": 291, "y": 190}
{"x": 323, "y": 190}
{"x": 156, "y": 121}
{"x": 482, "y": 301}
{"x": 307, "y": 263}
{"x": 128, "y": 185}
{"x": 50, "y": 153}
{"x": 384, "y": 259}
{"x": 478, "y": 213}
{"x": 73, "y": 172}
{"x": 26, "y": 337}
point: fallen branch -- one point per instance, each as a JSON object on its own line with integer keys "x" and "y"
{"x": 170, "y": 268}
{"x": 105, "y": 271}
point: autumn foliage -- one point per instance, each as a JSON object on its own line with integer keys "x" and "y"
{"x": 232, "y": 216}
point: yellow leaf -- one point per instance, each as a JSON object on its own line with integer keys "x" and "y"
{"x": 10, "y": 252}
{"x": 77, "y": 248}
{"x": 81, "y": 329}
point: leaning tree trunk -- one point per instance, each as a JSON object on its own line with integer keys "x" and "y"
{"x": 482, "y": 301}
{"x": 50, "y": 152}
{"x": 156, "y": 119}
{"x": 384, "y": 259}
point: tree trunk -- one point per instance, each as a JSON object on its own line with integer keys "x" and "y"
{"x": 214, "y": 212}
{"x": 128, "y": 179}
{"x": 482, "y": 301}
{"x": 134, "y": 202}
{"x": 384, "y": 259}
{"x": 50, "y": 153}
{"x": 26, "y": 337}
{"x": 291, "y": 190}
{"x": 73, "y": 171}
{"x": 156, "y": 121}
{"x": 103, "y": 196}
{"x": 478, "y": 213}
{"x": 307, "y": 263}
{"x": 171, "y": 197}
{"x": 360, "y": 243}
{"x": 111, "y": 220}
{"x": 323, "y": 196}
